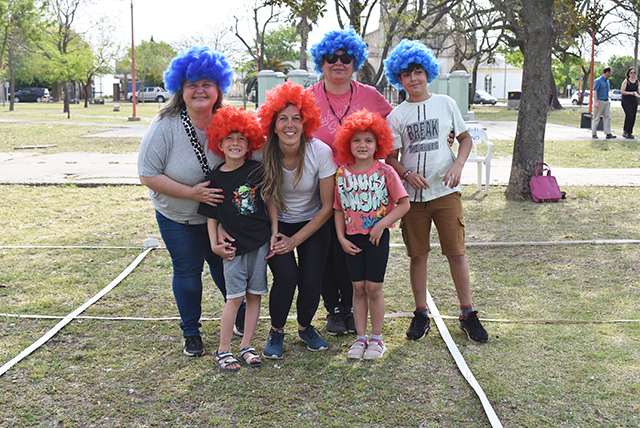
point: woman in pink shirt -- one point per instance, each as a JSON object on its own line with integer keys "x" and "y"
{"x": 338, "y": 56}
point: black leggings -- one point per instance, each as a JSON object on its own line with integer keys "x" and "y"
{"x": 337, "y": 289}
{"x": 306, "y": 273}
{"x": 630, "y": 108}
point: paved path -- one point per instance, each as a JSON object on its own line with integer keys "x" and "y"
{"x": 35, "y": 167}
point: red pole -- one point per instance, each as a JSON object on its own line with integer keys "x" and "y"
{"x": 133, "y": 65}
{"x": 593, "y": 44}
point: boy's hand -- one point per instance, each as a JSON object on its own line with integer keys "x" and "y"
{"x": 451, "y": 138}
{"x": 349, "y": 247}
{"x": 223, "y": 235}
{"x": 272, "y": 245}
{"x": 417, "y": 181}
{"x": 225, "y": 250}
{"x": 375, "y": 233}
{"x": 453, "y": 175}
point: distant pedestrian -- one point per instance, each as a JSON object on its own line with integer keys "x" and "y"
{"x": 630, "y": 97}
{"x": 601, "y": 104}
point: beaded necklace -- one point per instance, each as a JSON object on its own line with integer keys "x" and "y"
{"x": 324, "y": 86}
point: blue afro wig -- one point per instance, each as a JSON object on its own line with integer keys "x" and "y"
{"x": 347, "y": 40}
{"x": 407, "y": 52}
{"x": 198, "y": 63}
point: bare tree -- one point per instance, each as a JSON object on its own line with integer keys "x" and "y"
{"x": 218, "y": 38}
{"x": 263, "y": 16}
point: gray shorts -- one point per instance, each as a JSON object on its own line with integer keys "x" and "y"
{"x": 247, "y": 273}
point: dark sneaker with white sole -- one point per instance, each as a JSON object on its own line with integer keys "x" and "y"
{"x": 349, "y": 321}
{"x": 471, "y": 325}
{"x": 193, "y": 346}
{"x": 314, "y": 341}
{"x": 274, "y": 349}
{"x": 335, "y": 323}
{"x": 420, "y": 326}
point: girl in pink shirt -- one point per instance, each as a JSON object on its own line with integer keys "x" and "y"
{"x": 369, "y": 198}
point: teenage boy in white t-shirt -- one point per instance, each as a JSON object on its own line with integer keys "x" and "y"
{"x": 431, "y": 172}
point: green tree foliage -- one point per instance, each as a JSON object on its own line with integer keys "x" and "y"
{"x": 152, "y": 59}
{"x": 304, "y": 14}
{"x": 619, "y": 66}
{"x": 18, "y": 25}
{"x": 281, "y": 44}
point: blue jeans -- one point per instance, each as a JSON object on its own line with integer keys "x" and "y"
{"x": 189, "y": 247}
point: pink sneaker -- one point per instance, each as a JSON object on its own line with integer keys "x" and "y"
{"x": 375, "y": 349}
{"x": 356, "y": 351}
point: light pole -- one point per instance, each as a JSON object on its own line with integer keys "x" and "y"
{"x": 133, "y": 70}
{"x": 593, "y": 44}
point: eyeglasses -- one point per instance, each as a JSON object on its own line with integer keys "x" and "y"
{"x": 632, "y": 72}
{"x": 345, "y": 58}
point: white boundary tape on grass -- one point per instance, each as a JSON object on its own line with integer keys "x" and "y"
{"x": 539, "y": 243}
{"x": 66, "y": 320}
{"x": 387, "y": 316}
{"x": 462, "y": 365}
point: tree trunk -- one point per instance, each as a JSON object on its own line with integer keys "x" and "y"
{"x": 87, "y": 93}
{"x": 555, "y": 105}
{"x": 528, "y": 148}
{"x": 12, "y": 84}
{"x": 303, "y": 29}
{"x": 66, "y": 108}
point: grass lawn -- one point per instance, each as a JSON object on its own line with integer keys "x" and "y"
{"x": 554, "y": 358}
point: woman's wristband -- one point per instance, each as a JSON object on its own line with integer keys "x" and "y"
{"x": 406, "y": 174}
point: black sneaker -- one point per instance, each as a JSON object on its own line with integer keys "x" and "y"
{"x": 348, "y": 319}
{"x": 594, "y": 136}
{"x": 335, "y": 323}
{"x": 420, "y": 326}
{"x": 610, "y": 136}
{"x": 471, "y": 325}
{"x": 238, "y": 327}
{"x": 193, "y": 346}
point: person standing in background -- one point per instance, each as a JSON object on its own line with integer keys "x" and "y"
{"x": 602, "y": 104}
{"x": 630, "y": 96}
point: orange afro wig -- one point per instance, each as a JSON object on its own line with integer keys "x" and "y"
{"x": 229, "y": 119}
{"x": 360, "y": 121}
{"x": 290, "y": 93}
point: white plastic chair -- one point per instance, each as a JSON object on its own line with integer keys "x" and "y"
{"x": 478, "y": 136}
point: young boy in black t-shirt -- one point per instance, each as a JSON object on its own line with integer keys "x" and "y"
{"x": 235, "y": 134}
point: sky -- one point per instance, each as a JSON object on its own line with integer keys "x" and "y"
{"x": 166, "y": 22}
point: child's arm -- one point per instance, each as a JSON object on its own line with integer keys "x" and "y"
{"x": 416, "y": 181}
{"x": 224, "y": 250}
{"x": 453, "y": 175}
{"x": 396, "y": 214}
{"x": 273, "y": 218}
{"x": 347, "y": 246}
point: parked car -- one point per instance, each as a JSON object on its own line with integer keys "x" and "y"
{"x": 576, "y": 97}
{"x": 37, "y": 95}
{"x": 153, "y": 93}
{"x": 482, "y": 97}
{"x": 616, "y": 95}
